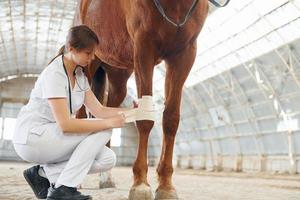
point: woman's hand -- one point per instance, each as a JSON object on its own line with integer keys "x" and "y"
{"x": 117, "y": 121}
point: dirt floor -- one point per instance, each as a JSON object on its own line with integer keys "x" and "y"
{"x": 190, "y": 184}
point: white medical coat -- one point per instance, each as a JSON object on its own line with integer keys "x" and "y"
{"x": 52, "y": 82}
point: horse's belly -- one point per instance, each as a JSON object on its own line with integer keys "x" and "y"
{"x": 119, "y": 55}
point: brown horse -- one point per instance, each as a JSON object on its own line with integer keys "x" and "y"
{"x": 136, "y": 36}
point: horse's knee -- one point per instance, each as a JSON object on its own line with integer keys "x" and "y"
{"x": 170, "y": 121}
{"x": 116, "y": 96}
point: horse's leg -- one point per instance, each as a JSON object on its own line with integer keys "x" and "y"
{"x": 116, "y": 94}
{"x": 117, "y": 80}
{"x": 117, "y": 85}
{"x": 143, "y": 65}
{"x": 178, "y": 68}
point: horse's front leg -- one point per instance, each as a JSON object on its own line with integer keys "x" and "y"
{"x": 143, "y": 66}
{"x": 178, "y": 68}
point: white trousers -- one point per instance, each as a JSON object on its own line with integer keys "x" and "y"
{"x": 67, "y": 159}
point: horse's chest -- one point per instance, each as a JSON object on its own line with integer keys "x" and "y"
{"x": 171, "y": 42}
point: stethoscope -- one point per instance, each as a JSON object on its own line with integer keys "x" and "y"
{"x": 70, "y": 93}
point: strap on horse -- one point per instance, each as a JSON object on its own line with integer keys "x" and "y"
{"x": 218, "y": 4}
{"x": 189, "y": 13}
{"x": 187, "y": 16}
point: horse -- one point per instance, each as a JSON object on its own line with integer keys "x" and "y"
{"x": 135, "y": 36}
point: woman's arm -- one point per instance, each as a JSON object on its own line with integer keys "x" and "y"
{"x": 67, "y": 124}
{"x": 97, "y": 109}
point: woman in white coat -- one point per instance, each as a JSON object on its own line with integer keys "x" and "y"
{"x": 47, "y": 132}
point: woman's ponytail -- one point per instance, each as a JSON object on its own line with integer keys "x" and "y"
{"x": 60, "y": 52}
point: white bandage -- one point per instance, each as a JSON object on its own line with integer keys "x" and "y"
{"x": 146, "y": 103}
{"x": 145, "y": 110}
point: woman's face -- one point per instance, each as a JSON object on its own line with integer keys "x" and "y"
{"x": 83, "y": 57}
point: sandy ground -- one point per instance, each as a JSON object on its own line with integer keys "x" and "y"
{"x": 190, "y": 184}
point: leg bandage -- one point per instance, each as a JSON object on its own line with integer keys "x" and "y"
{"x": 145, "y": 110}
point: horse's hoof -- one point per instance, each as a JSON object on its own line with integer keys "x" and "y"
{"x": 140, "y": 192}
{"x": 107, "y": 184}
{"x": 106, "y": 180}
{"x": 166, "y": 195}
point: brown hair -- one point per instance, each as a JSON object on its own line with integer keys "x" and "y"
{"x": 79, "y": 37}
